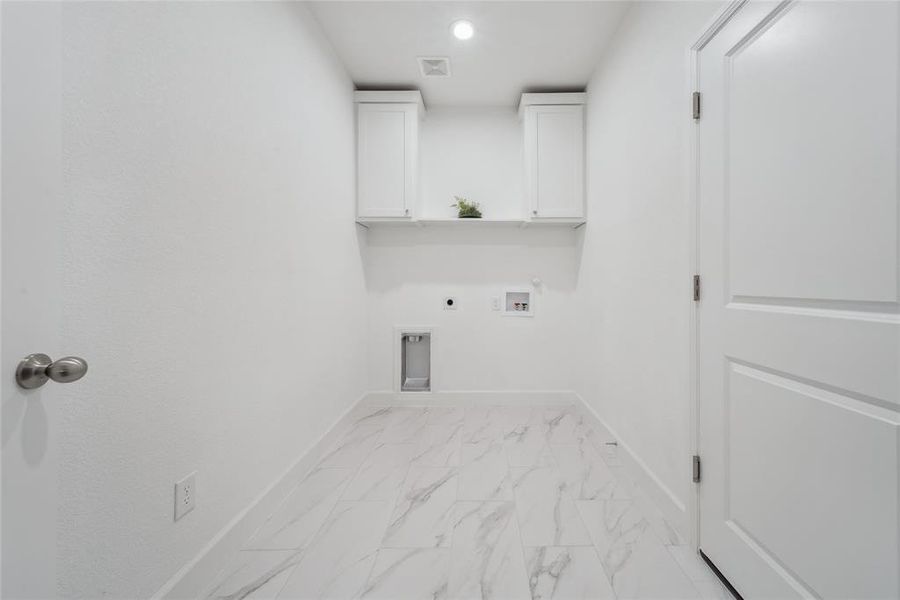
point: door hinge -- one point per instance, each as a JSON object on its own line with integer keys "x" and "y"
{"x": 695, "y": 469}
{"x": 695, "y": 105}
{"x": 696, "y": 288}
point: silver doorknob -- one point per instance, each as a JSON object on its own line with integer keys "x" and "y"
{"x": 35, "y": 369}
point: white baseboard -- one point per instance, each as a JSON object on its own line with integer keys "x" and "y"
{"x": 471, "y": 398}
{"x": 662, "y": 496}
{"x": 192, "y": 579}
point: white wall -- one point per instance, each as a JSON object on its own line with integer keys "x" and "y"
{"x": 474, "y": 153}
{"x": 410, "y": 271}
{"x": 215, "y": 279}
{"x": 633, "y": 282}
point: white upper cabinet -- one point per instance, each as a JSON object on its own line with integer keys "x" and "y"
{"x": 387, "y": 154}
{"x": 554, "y": 155}
{"x": 475, "y": 154}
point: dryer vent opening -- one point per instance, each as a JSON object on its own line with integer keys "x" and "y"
{"x": 415, "y": 362}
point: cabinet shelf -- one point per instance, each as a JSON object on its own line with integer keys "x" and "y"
{"x": 472, "y": 223}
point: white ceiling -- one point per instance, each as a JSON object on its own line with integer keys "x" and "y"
{"x": 518, "y": 46}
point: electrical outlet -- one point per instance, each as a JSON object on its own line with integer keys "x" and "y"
{"x": 612, "y": 450}
{"x": 450, "y": 303}
{"x": 495, "y": 302}
{"x": 185, "y": 495}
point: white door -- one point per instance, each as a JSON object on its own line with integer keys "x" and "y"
{"x": 554, "y": 160}
{"x": 387, "y": 158}
{"x": 799, "y": 329}
{"x": 31, "y": 283}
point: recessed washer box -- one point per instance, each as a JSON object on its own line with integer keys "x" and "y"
{"x": 413, "y": 359}
{"x": 518, "y": 302}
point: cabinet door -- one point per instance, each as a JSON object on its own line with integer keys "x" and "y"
{"x": 554, "y": 161}
{"x": 386, "y": 162}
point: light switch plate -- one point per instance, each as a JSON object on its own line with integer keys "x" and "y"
{"x": 185, "y": 495}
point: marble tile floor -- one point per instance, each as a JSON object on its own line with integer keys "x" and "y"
{"x": 504, "y": 502}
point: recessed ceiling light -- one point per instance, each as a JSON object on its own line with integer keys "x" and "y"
{"x": 463, "y": 30}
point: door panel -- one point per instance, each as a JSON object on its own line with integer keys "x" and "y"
{"x": 810, "y": 124}
{"x": 788, "y": 337}
{"x": 794, "y": 479}
{"x": 799, "y": 322}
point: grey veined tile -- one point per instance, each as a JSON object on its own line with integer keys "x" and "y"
{"x": 571, "y": 573}
{"x": 564, "y": 424}
{"x": 526, "y": 445}
{"x": 514, "y": 417}
{"x": 586, "y": 474}
{"x": 439, "y": 446}
{"x": 392, "y": 455}
{"x": 297, "y": 519}
{"x": 658, "y": 523}
{"x": 547, "y": 515}
{"x": 449, "y": 415}
{"x": 337, "y": 563}
{"x": 409, "y": 573}
{"x": 353, "y": 448}
{"x": 486, "y": 557}
{"x": 636, "y": 561}
{"x": 712, "y": 590}
{"x": 423, "y": 515}
{"x": 483, "y": 424}
{"x": 368, "y": 416}
{"x": 256, "y": 574}
{"x": 406, "y": 427}
{"x": 380, "y": 476}
{"x": 484, "y": 473}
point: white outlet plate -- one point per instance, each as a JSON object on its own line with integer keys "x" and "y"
{"x": 612, "y": 450}
{"x": 495, "y": 302}
{"x": 185, "y": 495}
{"x": 450, "y": 303}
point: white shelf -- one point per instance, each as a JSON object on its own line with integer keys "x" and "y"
{"x": 473, "y": 223}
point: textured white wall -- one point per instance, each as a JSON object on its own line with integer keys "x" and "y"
{"x": 475, "y": 153}
{"x": 410, "y": 271}
{"x": 634, "y": 287}
{"x": 215, "y": 282}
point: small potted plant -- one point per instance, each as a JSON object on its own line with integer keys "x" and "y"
{"x": 466, "y": 209}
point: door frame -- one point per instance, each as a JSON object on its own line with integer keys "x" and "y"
{"x": 722, "y": 18}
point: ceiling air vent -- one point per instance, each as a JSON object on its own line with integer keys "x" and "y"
{"x": 434, "y": 66}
